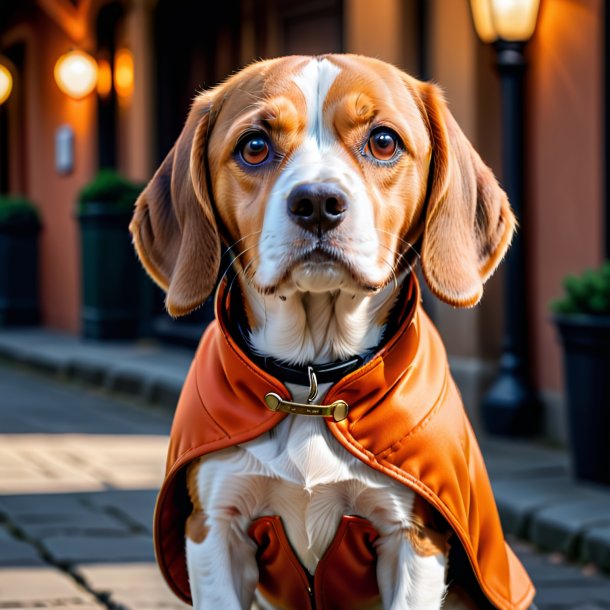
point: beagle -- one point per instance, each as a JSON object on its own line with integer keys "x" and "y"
{"x": 324, "y": 180}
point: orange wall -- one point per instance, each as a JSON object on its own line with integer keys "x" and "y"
{"x": 55, "y": 195}
{"x": 564, "y": 229}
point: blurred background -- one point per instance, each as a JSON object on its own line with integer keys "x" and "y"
{"x": 153, "y": 56}
{"x": 93, "y": 94}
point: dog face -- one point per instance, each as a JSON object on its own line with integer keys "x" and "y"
{"x": 321, "y": 173}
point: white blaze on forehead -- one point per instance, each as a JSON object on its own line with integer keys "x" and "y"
{"x": 315, "y": 81}
{"x": 319, "y": 158}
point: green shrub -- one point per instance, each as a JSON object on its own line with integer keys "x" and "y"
{"x": 588, "y": 293}
{"x": 111, "y": 188}
{"x": 17, "y": 210}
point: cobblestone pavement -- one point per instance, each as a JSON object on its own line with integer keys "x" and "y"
{"x": 79, "y": 471}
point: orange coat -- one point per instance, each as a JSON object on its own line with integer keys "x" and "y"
{"x": 405, "y": 419}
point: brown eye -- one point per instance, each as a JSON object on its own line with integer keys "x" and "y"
{"x": 254, "y": 149}
{"x": 383, "y": 144}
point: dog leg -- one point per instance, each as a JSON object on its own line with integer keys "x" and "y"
{"x": 410, "y": 576}
{"x": 222, "y": 568}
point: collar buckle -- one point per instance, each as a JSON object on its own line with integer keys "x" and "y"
{"x": 337, "y": 410}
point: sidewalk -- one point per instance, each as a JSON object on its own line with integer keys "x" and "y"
{"x": 80, "y": 464}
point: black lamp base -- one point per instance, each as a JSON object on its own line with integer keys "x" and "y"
{"x": 511, "y": 408}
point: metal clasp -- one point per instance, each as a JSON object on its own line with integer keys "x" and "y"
{"x": 337, "y": 410}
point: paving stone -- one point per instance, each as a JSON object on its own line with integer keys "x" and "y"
{"x": 572, "y": 595}
{"x": 546, "y": 573}
{"x": 133, "y": 367}
{"x": 42, "y": 587}
{"x": 596, "y": 547}
{"x": 19, "y": 506}
{"x": 522, "y": 460}
{"x": 81, "y": 523}
{"x": 562, "y": 526}
{"x": 136, "y": 505}
{"x": 15, "y": 552}
{"x": 133, "y": 585}
{"x": 67, "y": 550}
{"x": 518, "y": 500}
{"x": 28, "y": 400}
{"x": 81, "y": 462}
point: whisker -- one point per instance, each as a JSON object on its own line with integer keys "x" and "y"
{"x": 243, "y": 272}
{"x": 235, "y": 259}
{"x": 404, "y": 241}
{"x": 229, "y": 249}
{"x": 397, "y": 268}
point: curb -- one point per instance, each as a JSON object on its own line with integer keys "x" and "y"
{"x": 145, "y": 370}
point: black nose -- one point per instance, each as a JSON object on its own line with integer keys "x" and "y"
{"x": 317, "y": 207}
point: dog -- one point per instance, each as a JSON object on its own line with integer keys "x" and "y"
{"x": 320, "y": 456}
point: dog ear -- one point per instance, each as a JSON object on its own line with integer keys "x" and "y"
{"x": 469, "y": 223}
{"x": 173, "y": 227}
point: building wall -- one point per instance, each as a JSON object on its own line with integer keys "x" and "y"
{"x": 51, "y": 31}
{"x": 565, "y": 163}
{"x": 47, "y": 108}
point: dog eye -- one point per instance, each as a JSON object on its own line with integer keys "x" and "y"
{"x": 382, "y": 144}
{"x": 254, "y": 149}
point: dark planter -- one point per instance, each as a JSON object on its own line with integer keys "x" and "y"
{"x": 110, "y": 273}
{"x": 19, "y": 272}
{"x": 586, "y": 342}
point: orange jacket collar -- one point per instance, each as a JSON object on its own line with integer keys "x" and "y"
{"x": 405, "y": 419}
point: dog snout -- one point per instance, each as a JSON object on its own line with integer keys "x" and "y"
{"x": 316, "y": 207}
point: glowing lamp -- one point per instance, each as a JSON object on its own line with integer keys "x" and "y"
{"x": 6, "y": 83}
{"x": 123, "y": 72}
{"x": 104, "y": 78}
{"x": 511, "y": 20}
{"x": 76, "y": 74}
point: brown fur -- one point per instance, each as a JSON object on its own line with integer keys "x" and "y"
{"x": 196, "y": 528}
{"x": 469, "y": 223}
{"x": 426, "y": 541}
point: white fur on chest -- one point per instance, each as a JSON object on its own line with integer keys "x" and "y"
{"x": 301, "y": 473}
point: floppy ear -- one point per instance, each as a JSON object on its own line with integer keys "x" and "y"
{"x": 469, "y": 223}
{"x": 173, "y": 226}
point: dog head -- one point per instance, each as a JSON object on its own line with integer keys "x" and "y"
{"x": 321, "y": 174}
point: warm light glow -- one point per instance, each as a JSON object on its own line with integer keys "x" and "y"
{"x": 76, "y": 74}
{"x": 6, "y": 83}
{"x": 123, "y": 72}
{"x": 481, "y": 15}
{"x": 104, "y": 78}
{"x": 513, "y": 20}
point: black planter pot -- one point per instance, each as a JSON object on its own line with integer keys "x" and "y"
{"x": 19, "y": 273}
{"x": 110, "y": 273}
{"x": 586, "y": 342}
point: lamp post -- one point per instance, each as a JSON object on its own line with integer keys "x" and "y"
{"x": 511, "y": 407}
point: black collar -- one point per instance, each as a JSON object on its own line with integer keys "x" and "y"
{"x": 331, "y": 372}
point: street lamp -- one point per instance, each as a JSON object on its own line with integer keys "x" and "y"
{"x": 76, "y": 74}
{"x": 6, "y": 83}
{"x": 511, "y": 408}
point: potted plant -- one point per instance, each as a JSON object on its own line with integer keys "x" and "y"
{"x": 19, "y": 229}
{"x": 110, "y": 270}
{"x": 583, "y": 321}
